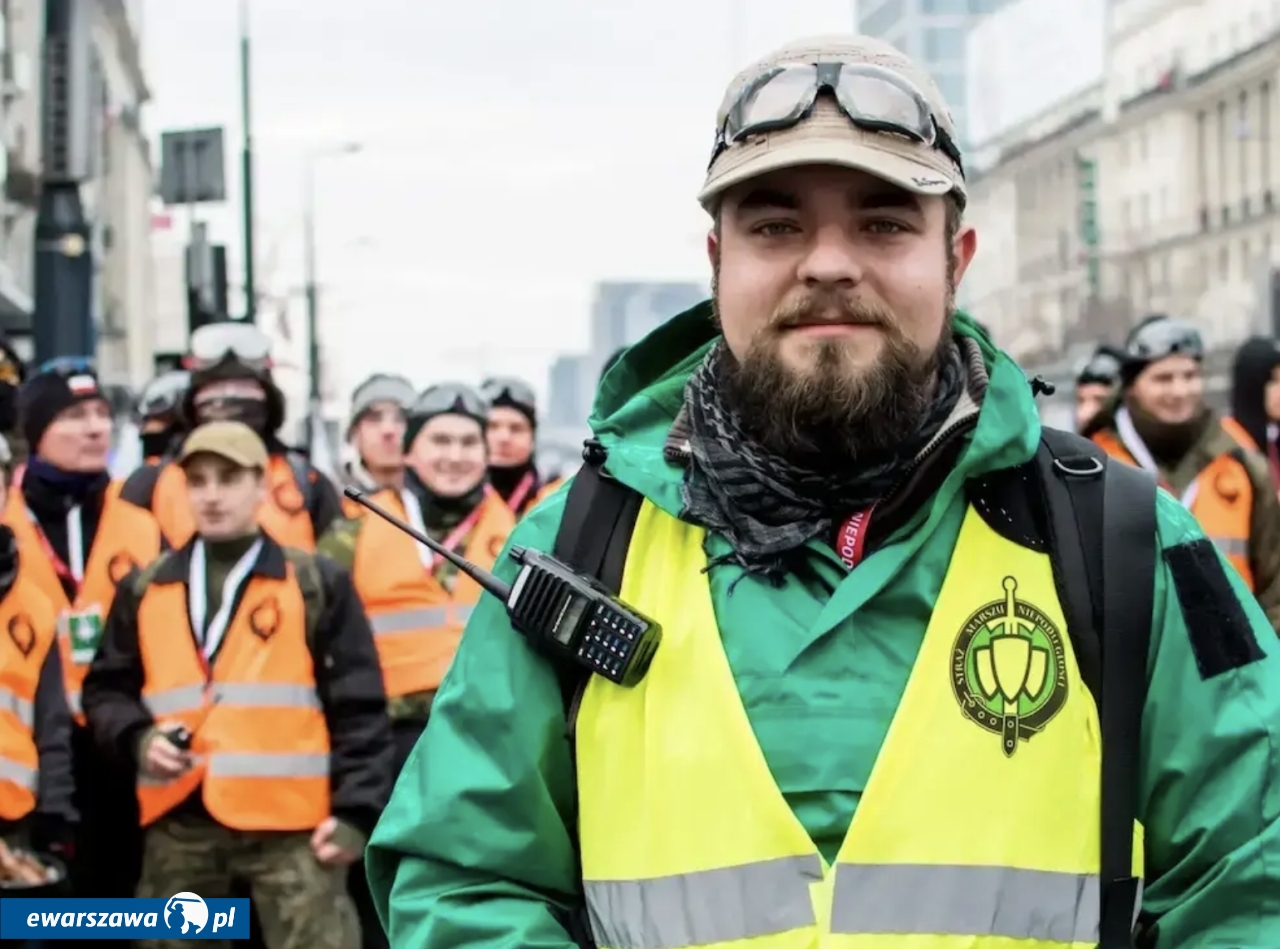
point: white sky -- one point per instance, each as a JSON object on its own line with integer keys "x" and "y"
{"x": 512, "y": 154}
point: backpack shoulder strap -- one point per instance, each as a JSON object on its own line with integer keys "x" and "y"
{"x": 301, "y": 469}
{"x": 1105, "y": 545}
{"x": 595, "y": 533}
{"x": 143, "y": 578}
{"x": 139, "y": 488}
{"x": 307, "y": 569}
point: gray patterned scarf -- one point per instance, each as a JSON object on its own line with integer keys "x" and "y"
{"x": 767, "y": 506}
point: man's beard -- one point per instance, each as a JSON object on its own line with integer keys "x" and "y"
{"x": 834, "y": 414}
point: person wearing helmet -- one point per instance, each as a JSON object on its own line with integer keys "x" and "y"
{"x": 1255, "y": 400}
{"x": 1161, "y": 422}
{"x": 512, "y": 434}
{"x": 1095, "y": 382}
{"x": 418, "y": 603}
{"x": 159, "y": 411}
{"x": 376, "y": 434}
{"x": 230, "y": 367}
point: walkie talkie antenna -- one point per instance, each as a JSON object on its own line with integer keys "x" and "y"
{"x": 478, "y": 574}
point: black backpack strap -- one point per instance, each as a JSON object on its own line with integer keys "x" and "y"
{"x": 594, "y": 536}
{"x": 1103, "y": 519}
{"x": 139, "y": 489}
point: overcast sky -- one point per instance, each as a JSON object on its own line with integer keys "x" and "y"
{"x": 512, "y": 154}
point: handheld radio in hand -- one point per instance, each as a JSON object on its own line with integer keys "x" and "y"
{"x": 561, "y": 612}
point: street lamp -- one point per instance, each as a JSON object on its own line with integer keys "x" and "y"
{"x": 309, "y": 263}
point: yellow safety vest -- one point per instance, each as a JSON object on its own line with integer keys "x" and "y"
{"x": 979, "y": 826}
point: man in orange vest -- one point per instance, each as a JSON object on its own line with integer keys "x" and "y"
{"x": 78, "y": 536}
{"x": 1160, "y": 421}
{"x": 417, "y": 602}
{"x": 511, "y": 431}
{"x": 239, "y": 678}
{"x": 230, "y": 367}
{"x": 37, "y": 786}
{"x": 376, "y": 433}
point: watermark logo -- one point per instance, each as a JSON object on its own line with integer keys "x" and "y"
{"x": 187, "y": 915}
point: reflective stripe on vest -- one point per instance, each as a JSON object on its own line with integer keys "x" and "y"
{"x": 127, "y": 537}
{"x": 771, "y": 898}
{"x": 711, "y": 854}
{"x": 416, "y": 622}
{"x": 260, "y": 741}
{"x": 20, "y": 708}
{"x": 412, "y": 620}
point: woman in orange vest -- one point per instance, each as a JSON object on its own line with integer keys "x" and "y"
{"x": 1161, "y": 422}
{"x": 1255, "y": 400}
{"x": 511, "y": 431}
{"x": 417, "y": 602}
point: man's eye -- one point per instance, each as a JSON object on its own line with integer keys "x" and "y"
{"x": 775, "y": 228}
{"x": 886, "y": 227}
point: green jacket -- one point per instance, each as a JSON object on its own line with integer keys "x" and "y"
{"x": 476, "y": 847}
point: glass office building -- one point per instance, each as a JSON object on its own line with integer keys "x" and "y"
{"x": 931, "y": 32}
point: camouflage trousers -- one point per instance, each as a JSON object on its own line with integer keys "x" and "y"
{"x": 301, "y": 904}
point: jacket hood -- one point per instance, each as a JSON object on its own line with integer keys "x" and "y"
{"x": 1255, "y": 360}
{"x": 642, "y": 392}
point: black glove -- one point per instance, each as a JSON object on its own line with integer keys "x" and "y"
{"x": 51, "y": 834}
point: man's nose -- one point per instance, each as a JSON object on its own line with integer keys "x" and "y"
{"x": 832, "y": 258}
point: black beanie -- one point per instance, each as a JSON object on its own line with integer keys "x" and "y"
{"x": 47, "y": 395}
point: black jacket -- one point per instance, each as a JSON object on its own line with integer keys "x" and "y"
{"x": 348, "y": 678}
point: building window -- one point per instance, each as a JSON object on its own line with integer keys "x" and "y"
{"x": 943, "y": 45}
{"x": 1264, "y": 135}
{"x": 883, "y": 19}
{"x": 951, "y": 85}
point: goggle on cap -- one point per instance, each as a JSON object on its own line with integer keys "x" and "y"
{"x": 889, "y": 119}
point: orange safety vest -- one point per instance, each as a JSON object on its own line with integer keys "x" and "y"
{"x": 283, "y": 513}
{"x": 28, "y": 623}
{"x": 1223, "y": 502}
{"x": 260, "y": 741}
{"x": 545, "y": 492}
{"x": 127, "y": 538}
{"x": 417, "y": 624}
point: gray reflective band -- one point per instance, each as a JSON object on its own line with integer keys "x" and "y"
{"x": 248, "y": 764}
{"x": 691, "y": 909}
{"x": 73, "y": 703}
{"x": 19, "y": 774}
{"x": 769, "y": 898}
{"x": 966, "y": 901}
{"x": 1231, "y": 546}
{"x": 418, "y": 620}
{"x": 19, "y": 708}
{"x": 189, "y": 698}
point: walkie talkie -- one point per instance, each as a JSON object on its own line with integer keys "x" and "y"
{"x": 562, "y": 613}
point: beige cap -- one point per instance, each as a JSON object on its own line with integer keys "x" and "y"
{"x": 827, "y": 137}
{"x": 234, "y": 441}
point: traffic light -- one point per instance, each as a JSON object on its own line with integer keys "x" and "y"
{"x": 206, "y": 280}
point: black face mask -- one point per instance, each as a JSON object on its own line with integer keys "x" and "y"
{"x": 158, "y": 444}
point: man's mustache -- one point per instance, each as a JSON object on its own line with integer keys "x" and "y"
{"x": 829, "y": 310}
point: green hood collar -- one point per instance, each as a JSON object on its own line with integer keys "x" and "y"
{"x": 641, "y": 394}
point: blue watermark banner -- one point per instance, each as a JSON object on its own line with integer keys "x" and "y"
{"x": 181, "y": 916}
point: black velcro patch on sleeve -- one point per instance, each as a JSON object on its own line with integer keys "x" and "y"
{"x": 1221, "y": 637}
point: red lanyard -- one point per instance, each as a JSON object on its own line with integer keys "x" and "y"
{"x": 457, "y": 535}
{"x": 852, "y": 539}
{"x": 521, "y": 492}
{"x": 59, "y": 565}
